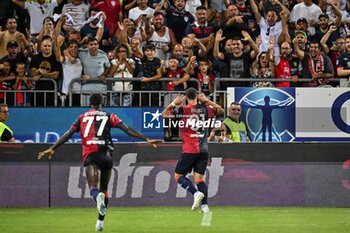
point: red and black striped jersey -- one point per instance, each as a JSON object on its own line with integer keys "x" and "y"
{"x": 194, "y": 121}
{"x": 94, "y": 127}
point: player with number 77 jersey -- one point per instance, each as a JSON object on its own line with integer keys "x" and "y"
{"x": 94, "y": 127}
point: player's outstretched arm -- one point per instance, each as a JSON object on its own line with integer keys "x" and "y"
{"x": 51, "y": 150}
{"x": 130, "y": 131}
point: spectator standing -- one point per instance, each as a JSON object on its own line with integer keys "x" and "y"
{"x": 287, "y": 65}
{"x": 177, "y": 18}
{"x": 72, "y": 68}
{"x": 122, "y": 67}
{"x": 14, "y": 55}
{"x": 112, "y": 9}
{"x": 152, "y": 71}
{"x": 316, "y": 66}
{"x": 45, "y": 65}
{"x": 270, "y": 26}
{"x": 47, "y": 29}
{"x": 202, "y": 30}
{"x": 343, "y": 63}
{"x": 308, "y": 10}
{"x": 324, "y": 26}
{"x": 5, "y": 11}
{"x": 161, "y": 36}
{"x": 96, "y": 68}
{"x": 235, "y": 23}
{"x": 7, "y": 79}
{"x": 263, "y": 68}
{"x": 141, "y": 10}
{"x": 38, "y": 11}
{"x": 238, "y": 62}
{"x": 92, "y": 29}
{"x": 22, "y": 84}
{"x": 178, "y": 52}
{"x": 174, "y": 71}
{"x": 78, "y": 12}
{"x": 12, "y": 34}
{"x": 338, "y": 47}
{"x": 205, "y": 77}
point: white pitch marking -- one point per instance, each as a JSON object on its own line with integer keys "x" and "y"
{"x": 206, "y": 220}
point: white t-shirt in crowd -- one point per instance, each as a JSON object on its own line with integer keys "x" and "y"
{"x": 38, "y": 13}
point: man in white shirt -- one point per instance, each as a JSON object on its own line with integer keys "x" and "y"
{"x": 307, "y": 10}
{"x": 269, "y": 27}
{"x": 38, "y": 11}
{"x": 141, "y": 9}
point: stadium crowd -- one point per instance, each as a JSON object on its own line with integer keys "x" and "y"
{"x": 44, "y": 45}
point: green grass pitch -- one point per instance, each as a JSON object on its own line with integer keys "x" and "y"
{"x": 177, "y": 220}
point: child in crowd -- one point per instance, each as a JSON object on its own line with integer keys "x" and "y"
{"x": 174, "y": 71}
{"x": 22, "y": 83}
{"x": 152, "y": 71}
{"x": 7, "y": 79}
{"x": 205, "y": 77}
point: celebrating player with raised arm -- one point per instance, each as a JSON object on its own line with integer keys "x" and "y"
{"x": 194, "y": 117}
{"x": 94, "y": 126}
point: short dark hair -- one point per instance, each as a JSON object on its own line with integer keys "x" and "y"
{"x": 172, "y": 57}
{"x": 91, "y": 39}
{"x": 70, "y": 42}
{"x": 125, "y": 46}
{"x": 314, "y": 40}
{"x": 11, "y": 17}
{"x": 93, "y": 9}
{"x": 49, "y": 18}
{"x": 11, "y": 44}
{"x": 20, "y": 63}
{"x": 46, "y": 37}
{"x": 203, "y": 59}
{"x": 201, "y": 8}
{"x": 149, "y": 46}
{"x": 191, "y": 93}
{"x": 96, "y": 99}
{"x": 158, "y": 13}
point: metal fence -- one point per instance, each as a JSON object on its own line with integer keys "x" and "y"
{"x": 32, "y": 97}
{"x": 134, "y": 97}
{"x": 144, "y": 98}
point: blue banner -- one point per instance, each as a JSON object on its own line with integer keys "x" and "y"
{"x": 47, "y": 125}
{"x": 269, "y": 113}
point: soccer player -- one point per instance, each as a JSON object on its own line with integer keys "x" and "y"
{"x": 94, "y": 127}
{"x": 191, "y": 120}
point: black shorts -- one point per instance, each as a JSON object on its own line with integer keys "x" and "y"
{"x": 187, "y": 162}
{"x": 103, "y": 159}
